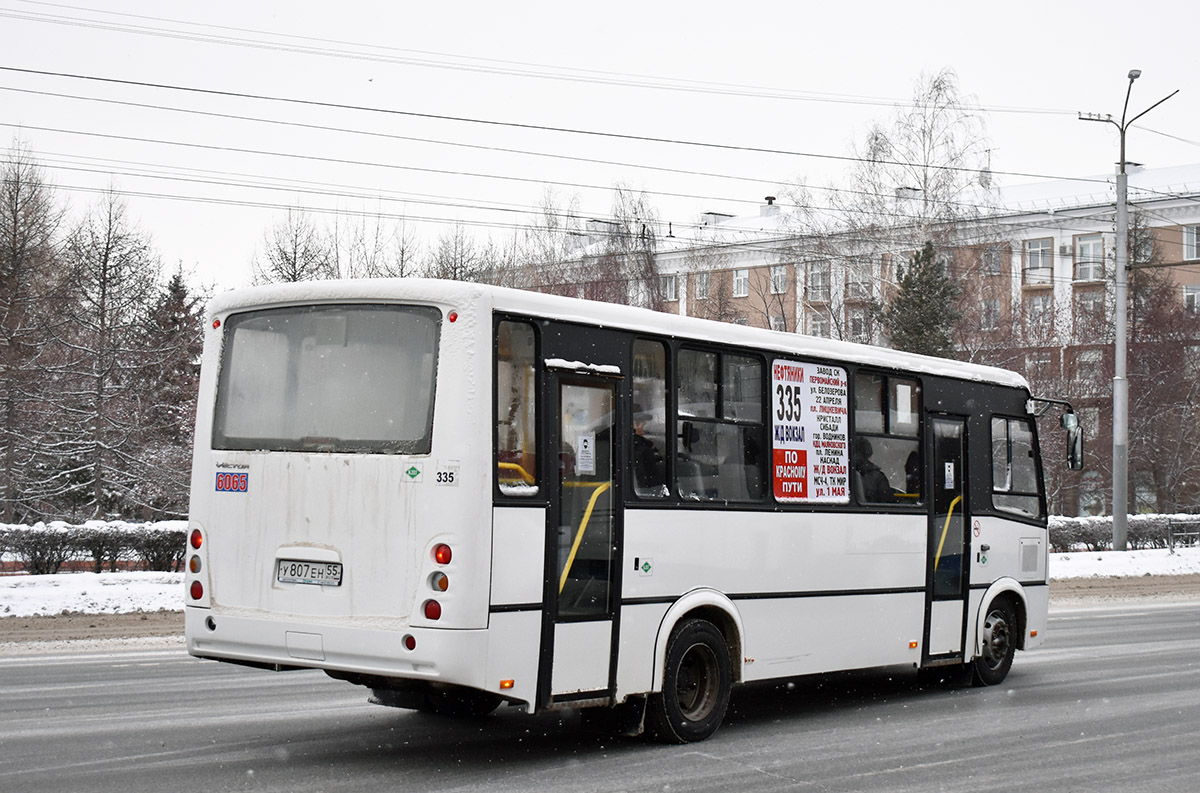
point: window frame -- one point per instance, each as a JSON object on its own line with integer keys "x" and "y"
{"x": 778, "y": 274}
{"x": 1089, "y": 267}
{"x": 685, "y": 425}
{"x": 1044, "y": 252}
{"x": 741, "y": 282}
{"x": 535, "y": 496}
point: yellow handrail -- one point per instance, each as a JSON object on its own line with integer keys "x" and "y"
{"x": 529, "y": 480}
{"x": 562, "y": 582}
{"x": 945, "y": 529}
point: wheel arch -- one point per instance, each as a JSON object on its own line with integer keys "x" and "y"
{"x": 1011, "y": 589}
{"x": 705, "y": 604}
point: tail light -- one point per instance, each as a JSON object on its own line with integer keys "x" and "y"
{"x": 442, "y": 553}
{"x": 196, "y": 539}
{"x": 197, "y": 590}
{"x": 433, "y": 610}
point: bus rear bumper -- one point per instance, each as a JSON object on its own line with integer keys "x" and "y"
{"x": 447, "y": 656}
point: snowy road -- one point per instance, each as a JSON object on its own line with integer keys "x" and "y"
{"x": 1113, "y": 702}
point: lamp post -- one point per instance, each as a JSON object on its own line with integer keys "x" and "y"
{"x": 1120, "y": 453}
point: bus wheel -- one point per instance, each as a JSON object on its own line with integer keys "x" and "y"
{"x": 696, "y": 683}
{"x": 999, "y": 643}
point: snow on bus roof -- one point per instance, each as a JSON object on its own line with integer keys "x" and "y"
{"x": 570, "y": 309}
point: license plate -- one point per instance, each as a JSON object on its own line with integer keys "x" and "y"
{"x": 291, "y": 571}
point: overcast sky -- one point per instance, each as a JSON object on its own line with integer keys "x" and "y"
{"x": 802, "y": 78}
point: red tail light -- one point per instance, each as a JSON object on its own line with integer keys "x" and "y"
{"x": 433, "y": 610}
{"x": 197, "y": 539}
{"x": 442, "y": 554}
{"x": 197, "y": 590}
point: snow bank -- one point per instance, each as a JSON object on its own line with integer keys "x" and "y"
{"x": 90, "y": 593}
{"x": 1107, "y": 564}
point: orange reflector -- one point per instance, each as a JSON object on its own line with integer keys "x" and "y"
{"x": 1032, "y": 634}
{"x": 912, "y": 645}
{"x": 505, "y": 684}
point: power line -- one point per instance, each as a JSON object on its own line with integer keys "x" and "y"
{"x": 523, "y": 126}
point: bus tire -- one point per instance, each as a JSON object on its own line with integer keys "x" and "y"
{"x": 696, "y": 684}
{"x": 998, "y": 645}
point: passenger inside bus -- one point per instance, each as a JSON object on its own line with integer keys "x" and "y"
{"x": 649, "y": 467}
{"x": 872, "y": 484}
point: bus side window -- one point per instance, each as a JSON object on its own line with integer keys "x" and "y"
{"x": 516, "y": 419}
{"x": 886, "y": 454}
{"x": 1014, "y": 467}
{"x": 648, "y": 444}
{"x": 719, "y": 426}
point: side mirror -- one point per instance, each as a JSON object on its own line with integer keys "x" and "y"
{"x": 1070, "y": 423}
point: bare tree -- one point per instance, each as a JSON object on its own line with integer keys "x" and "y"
{"x": 551, "y": 246}
{"x": 920, "y": 176}
{"x": 32, "y": 286}
{"x": 116, "y": 271}
{"x": 457, "y": 256}
{"x": 294, "y": 249}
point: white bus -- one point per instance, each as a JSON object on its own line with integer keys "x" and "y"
{"x": 460, "y": 496}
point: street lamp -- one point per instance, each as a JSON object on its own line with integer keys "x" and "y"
{"x": 1120, "y": 455}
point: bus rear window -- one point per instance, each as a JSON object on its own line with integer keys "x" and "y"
{"x": 328, "y": 378}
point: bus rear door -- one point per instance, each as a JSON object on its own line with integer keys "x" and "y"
{"x": 577, "y": 651}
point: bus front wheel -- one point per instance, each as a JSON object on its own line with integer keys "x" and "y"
{"x": 696, "y": 684}
{"x": 999, "y": 643}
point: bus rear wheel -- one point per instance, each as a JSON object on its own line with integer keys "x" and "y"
{"x": 696, "y": 684}
{"x": 999, "y": 643}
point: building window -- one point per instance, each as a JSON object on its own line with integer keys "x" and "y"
{"x": 1191, "y": 242}
{"x": 989, "y": 314}
{"x": 702, "y": 286}
{"x": 858, "y": 282}
{"x": 778, "y": 322}
{"x": 1191, "y": 298}
{"x": 818, "y": 282}
{"x": 1091, "y": 495}
{"x": 1089, "y": 309}
{"x": 778, "y": 279}
{"x": 818, "y": 325}
{"x": 858, "y": 325}
{"x": 990, "y": 260}
{"x": 1037, "y": 314}
{"x": 1039, "y": 262}
{"x": 1089, "y": 258}
{"x": 741, "y": 283}
{"x": 1089, "y": 366}
{"x": 1039, "y": 363}
{"x": 668, "y": 285}
{"x": 1145, "y": 494}
{"x": 1089, "y": 421}
{"x": 1191, "y": 360}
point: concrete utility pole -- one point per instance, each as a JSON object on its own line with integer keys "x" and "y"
{"x": 1120, "y": 454}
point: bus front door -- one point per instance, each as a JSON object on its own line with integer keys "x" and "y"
{"x": 947, "y": 541}
{"x": 583, "y": 543}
